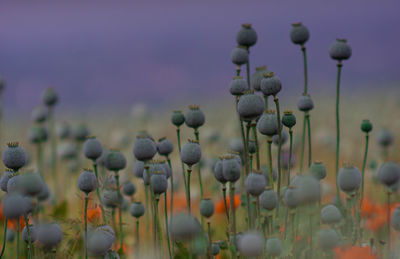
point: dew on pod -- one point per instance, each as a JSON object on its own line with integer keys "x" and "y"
{"x": 31, "y": 184}
{"x": 349, "y": 179}
{"x": 255, "y": 183}
{"x": 237, "y": 86}
{"x": 305, "y": 103}
{"x": 366, "y": 126}
{"x": 177, "y": 118}
{"x": 385, "y": 138}
{"x": 14, "y": 157}
{"x": 330, "y": 214}
{"x": 194, "y": 118}
{"x": 268, "y": 124}
{"x": 184, "y": 227}
{"x": 299, "y": 33}
{"x": 257, "y": 76}
{"x": 239, "y": 55}
{"x": 191, "y": 152}
{"x": 37, "y": 134}
{"x": 50, "y": 97}
{"x": 269, "y": 199}
{"x": 144, "y": 148}
{"x": 251, "y": 244}
{"x": 159, "y": 182}
{"x": 115, "y": 160}
{"x": 129, "y": 188}
{"x": 48, "y": 235}
{"x": 231, "y": 169}
{"x": 389, "y": 173}
{"x": 207, "y": 208}
{"x": 32, "y": 232}
{"x": 100, "y": 240}
{"x": 250, "y": 106}
{"x": 327, "y": 239}
{"x": 284, "y": 138}
{"x": 318, "y": 170}
{"x": 136, "y": 209}
{"x": 92, "y": 148}
{"x": 340, "y": 50}
{"x": 270, "y": 84}
{"x": 274, "y": 246}
{"x": 39, "y": 114}
{"x": 288, "y": 119}
{"x": 80, "y": 132}
{"x": 138, "y": 168}
{"x": 4, "y": 179}
{"x": 246, "y": 36}
{"x": 165, "y": 146}
{"x": 87, "y": 181}
{"x": 395, "y": 220}
{"x": 236, "y": 145}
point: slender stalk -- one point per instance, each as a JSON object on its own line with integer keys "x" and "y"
{"x": 121, "y": 234}
{"x": 196, "y": 133}
{"x": 137, "y": 238}
{"x": 4, "y": 237}
{"x": 276, "y": 100}
{"x": 266, "y": 102}
{"x": 166, "y": 225}
{"x": 209, "y": 239}
{"x": 290, "y": 154}
{"x": 303, "y": 49}
{"x": 363, "y": 167}
{"x": 309, "y": 138}
{"x": 189, "y": 171}
{"x": 29, "y": 235}
{"x": 18, "y": 237}
{"x": 388, "y": 222}
{"x": 303, "y": 142}
{"x": 103, "y": 214}
{"x": 233, "y": 217}
{"x": 178, "y": 133}
{"x": 271, "y": 175}
{"x": 53, "y": 145}
{"x": 172, "y": 189}
{"x": 39, "y": 159}
{"x": 253, "y": 125}
{"x": 225, "y": 203}
{"x": 248, "y": 126}
{"x": 156, "y": 217}
{"x": 248, "y": 70}
{"x": 258, "y": 213}
{"x": 311, "y": 232}
{"x": 86, "y": 235}
{"x": 339, "y": 66}
{"x": 146, "y": 192}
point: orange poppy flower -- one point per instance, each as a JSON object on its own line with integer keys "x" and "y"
{"x": 220, "y": 206}
{"x": 93, "y": 214}
{"x": 354, "y": 252}
{"x": 12, "y": 223}
{"x": 180, "y": 203}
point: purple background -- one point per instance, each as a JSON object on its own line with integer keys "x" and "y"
{"x": 118, "y": 53}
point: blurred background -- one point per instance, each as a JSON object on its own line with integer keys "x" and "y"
{"x": 102, "y": 55}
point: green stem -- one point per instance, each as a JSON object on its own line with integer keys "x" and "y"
{"x": 137, "y": 238}
{"x": 248, "y": 70}
{"x": 363, "y": 167}
{"x": 178, "y": 133}
{"x": 266, "y": 102}
{"x": 276, "y": 100}
{"x": 247, "y": 156}
{"x": 98, "y": 192}
{"x": 146, "y": 192}
{"x": 233, "y": 217}
{"x": 209, "y": 239}
{"x": 86, "y": 235}
{"x": 189, "y": 171}
{"x": 39, "y": 159}
{"x": 290, "y": 154}
{"x": 29, "y": 235}
{"x": 257, "y": 147}
{"x": 303, "y": 49}
{"x": 309, "y": 138}
{"x": 303, "y": 143}
{"x": 121, "y": 234}
{"x": 339, "y": 66}
{"x": 388, "y": 223}
{"x": 4, "y": 237}
{"x": 196, "y": 133}
{"x": 53, "y": 145}
{"x": 166, "y": 225}
{"x": 225, "y": 203}
{"x": 269, "y": 149}
{"x": 172, "y": 189}
{"x": 258, "y": 214}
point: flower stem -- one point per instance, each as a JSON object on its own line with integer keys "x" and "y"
{"x": 225, "y": 203}
{"x": 53, "y": 146}
{"x": 172, "y": 189}
{"x": 86, "y": 235}
{"x": 29, "y": 235}
{"x": 196, "y": 133}
{"x": 363, "y": 167}
{"x": 248, "y": 70}
{"x": 39, "y": 159}
{"x": 309, "y": 138}
{"x": 209, "y": 239}
{"x": 257, "y": 147}
{"x": 266, "y": 102}
{"x": 178, "y": 133}
{"x": 303, "y": 49}
{"x": 276, "y": 100}
{"x": 189, "y": 171}
{"x": 137, "y": 238}
{"x": 166, "y": 224}
{"x": 4, "y": 237}
{"x": 233, "y": 217}
{"x": 121, "y": 234}
{"x": 269, "y": 149}
{"x": 339, "y": 66}
{"x": 290, "y": 154}
{"x": 98, "y": 192}
{"x": 388, "y": 222}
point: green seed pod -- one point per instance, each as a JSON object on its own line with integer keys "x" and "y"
{"x": 159, "y": 182}
{"x": 366, "y": 126}
{"x": 184, "y": 227}
{"x": 194, "y": 118}
{"x": 231, "y": 169}
{"x": 63, "y": 130}
{"x": 67, "y": 150}
{"x": 177, "y": 118}
{"x": 274, "y": 246}
{"x": 299, "y": 33}
{"x": 284, "y": 138}
{"x": 80, "y": 132}
{"x": 39, "y": 114}
{"x": 14, "y": 205}
{"x": 257, "y": 77}
{"x": 111, "y": 199}
{"x": 251, "y": 244}
{"x": 32, "y": 232}
{"x": 327, "y": 239}
{"x": 215, "y": 249}
{"x": 385, "y": 138}
{"x": 37, "y": 134}
{"x": 14, "y": 183}
{"x": 255, "y": 183}
{"x": 236, "y": 145}
{"x": 330, "y": 214}
{"x": 252, "y": 146}
{"x": 31, "y": 184}
{"x": 165, "y": 146}
{"x": 48, "y": 235}
{"x": 389, "y": 173}
{"x": 305, "y": 103}
{"x": 92, "y": 148}
{"x": 309, "y": 189}
{"x": 144, "y": 148}
{"x": 268, "y": 124}
{"x": 395, "y": 220}
{"x": 318, "y": 170}
{"x": 218, "y": 172}
{"x": 246, "y": 36}
{"x": 115, "y": 161}
{"x": 237, "y": 86}
{"x": 138, "y": 169}
{"x": 10, "y": 236}
{"x": 129, "y": 188}
{"x": 349, "y": 179}
{"x": 291, "y": 198}
{"x": 100, "y": 241}
{"x": 269, "y": 199}
{"x": 136, "y": 209}
{"x": 288, "y": 119}
{"x": 87, "y": 181}
{"x": 50, "y": 97}
{"x": 270, "y": 84}
{"x": 207, "y": 208}
{"x": 14, "y": 157}
{"x": 239, "y": 56}
{"x": 191, "y": 153}
{"x": 340, "y": 50}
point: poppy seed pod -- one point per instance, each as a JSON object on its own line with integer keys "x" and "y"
{"x": 288, "y": 119}
{"x": 206, "y": 208}
{"x": 191, "y": 153}
{"x": 309, "y": 189}
{"x": 291, "y": 197}
{"x": 87, "y": 181}
{"x": 49, "y": 235}
{"x": 144, "y": 148}
{"x": 194, "y": 118}
{"x": 31, "y": 184}
{"x": 80, "y": 132}
{"x": 305, "y": 103}
{"x": 218, "y": 172}
{"x": 366, "y": 126}
{"x": 14, "y": 205}
{"x": 268, "y": 124}
{"x": 100, "y": 241}
{"x": 44, "y": 194}
{"x": 299, "y": 33}
{"x": 246, "y": 36}
{"x": 250, "y": 106}
{"x": 177, "y": 118}
{"x": 389, "y": 173}
{"x": 129, "y": 188}
{"x": 136, "y": 209}
{"x": 159, "y": 182}
{"x": 110, "y": 198}
{"x": 92, "y": 148}
{"x": 274, "y": 246}
{"x": 67, "y": 150}
{"x": 327, "y": 239}
{"x": 385, "y": 138}
{"x": 251, "y": 244}
{"x": 37, "y": 134}
{"x": 32, "y": 232}
{"x": 396, "y": 219}
{"x": 14, "y": 157}
{"x": 165, "y": 146}
{"x": 255, "y": 183}
{"x": 269, "y": 199}
{"x": 330, "y": 214}
{"x": 115, "y": 161}
{"x": 138, "y": 169}
{"x": 215, "y": 249}
{"x": 50, "y": 97}
{"x": 237, "y": 86}
{"x": 4, "y": 179}
{"x": 14, "y": 183}
{"x": 39, "y": 114}
{"x": 63, "y": 130}
{"x": 349, "y": 179}
{"x": 340, "y": 50}
{"x": 284, "y": 138}
{"x": 270, "y": 84}
{"x": 239, "y": 55}
{"x": 231, "y": 169}
{"x": 184, "y": 227}
{"x": 318, "y": 170}
{"x": 252, "y": 147}
{"x": 257, "y": 77}
{"x": 236, "y": 145}
{"x": 235, "y": 156}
